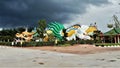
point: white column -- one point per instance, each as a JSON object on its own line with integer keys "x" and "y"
{"x": 118, "y": 39}
{"x": 115, "y": 39}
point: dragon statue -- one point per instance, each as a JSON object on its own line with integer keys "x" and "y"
{"x": 82, "y": 32}
{"x": 56, "y": 29}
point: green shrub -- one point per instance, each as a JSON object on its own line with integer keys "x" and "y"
{"x": 29, "y": 44}
{"x": 5, "y": 43}
{"x": 50, "y": 43}
{"x": 86, "y": 41}
{"x": 107, "y": 44}
{"x": 66, "y": 45}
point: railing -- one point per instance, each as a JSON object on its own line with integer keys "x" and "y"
{"x": 107, "y": 44}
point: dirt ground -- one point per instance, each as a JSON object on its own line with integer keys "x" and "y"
{"x": 77, "y": 49}
{"x": 83, "y": 57}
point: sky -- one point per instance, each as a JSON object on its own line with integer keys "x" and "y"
{"x": 15, "y": 13}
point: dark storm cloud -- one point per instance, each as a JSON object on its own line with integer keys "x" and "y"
{"x": 28, "y": 12}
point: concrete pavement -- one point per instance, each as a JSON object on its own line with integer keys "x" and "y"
{"x": 24, "y": 58}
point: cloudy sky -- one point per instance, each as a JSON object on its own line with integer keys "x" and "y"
{"x": 14, "y": 13}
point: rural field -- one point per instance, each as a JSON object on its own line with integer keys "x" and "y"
{"x": 77, "y": 56}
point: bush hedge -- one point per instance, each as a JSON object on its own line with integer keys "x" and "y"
{"x": 5, "y": 43}
{"x": 50, "y": 43}
{"x": 34, "y": 44}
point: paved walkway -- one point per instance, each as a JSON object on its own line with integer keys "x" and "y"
{"x": 27, "y": 58}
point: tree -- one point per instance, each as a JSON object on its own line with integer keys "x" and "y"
{"x": 7, "y": 34}
{"x": 20, "y": 29}
{"x": 41, "y": 28}
{"x": 30, "y": 29}
{"x": 96, "y": 35}
{"x": 110, "y": 25}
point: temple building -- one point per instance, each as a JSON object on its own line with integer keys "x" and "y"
{"x": 112, "y": 36}
{"x": 27, "y": 36}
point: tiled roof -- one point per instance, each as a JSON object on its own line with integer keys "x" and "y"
{"x": 114, "y": 31}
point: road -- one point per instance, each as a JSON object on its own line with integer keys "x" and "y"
{"x": 27, "y": 58}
